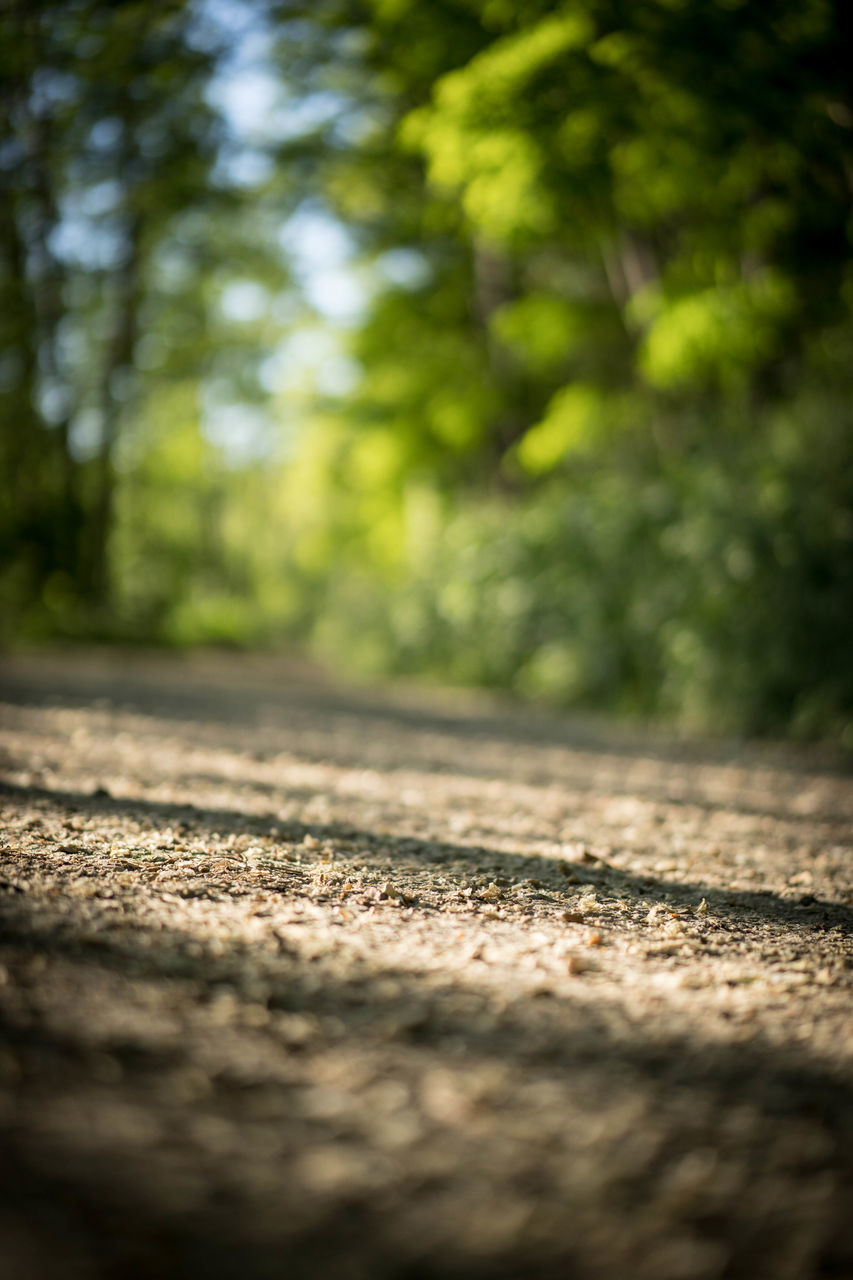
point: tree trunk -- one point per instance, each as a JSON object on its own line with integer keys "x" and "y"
{"x": 118, "y": 365}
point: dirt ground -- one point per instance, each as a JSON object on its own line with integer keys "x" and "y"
{"x": 305, "y": 980}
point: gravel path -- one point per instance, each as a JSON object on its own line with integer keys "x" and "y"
{"x": 299, "y": 980}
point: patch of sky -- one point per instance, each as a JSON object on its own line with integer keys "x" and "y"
{"x": 403, "y": 268}
{"x": 321, "y": 250}
{"x": 71, "y": 346}
{"x": 78, "y": 242}
{"x": 338, "y": 294}
{"x": 106, "y": 133}
{"x": 215, "y": 20}
{"x": 312, "y": 359}
{"x": 242, "y": 167}
{"x": 244, "y": 301}
{"x": 84, "y": 236}
{"x": 54, "y": 400}
{"x": 173, "y": 267}
{"x": 102, "y": 198}
{"x": 353, "y": 127}
{"x": 304, "y": 115}
{"x": 248, "y": 89}
{"x": 12, "y": 154}
{"x": 243, "y": 433}
{"x": 251, "y": 97}
{"x": 318, "y": 239}
{"x": 248, "y": 98}
{"x": 260, "y": 112}
{"x": 51, "y": 88}
{"x": 86, "y": 434}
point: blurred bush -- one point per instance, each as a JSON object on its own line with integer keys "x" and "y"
{"x": 715, "y": 594}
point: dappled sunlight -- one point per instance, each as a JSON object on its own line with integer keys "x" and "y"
{"x": 263, "y": 1000}
{"x": 426, "y": 705}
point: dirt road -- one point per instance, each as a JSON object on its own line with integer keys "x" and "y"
{"x": 305, "y": 981}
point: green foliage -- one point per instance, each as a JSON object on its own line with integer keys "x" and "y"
{"x": 714, "y": 594}
{"x": 542, "y": 329}
{"x": 719, "y": 334}
{"x": 477, "y": 133}
{"x": 599, "y": 445}
{"x": 583, "y": 459}
{"x": 116, "y": 239}
{"x": 573, "y": 422}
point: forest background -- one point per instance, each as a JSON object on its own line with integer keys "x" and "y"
{"x": 502, "y": 341}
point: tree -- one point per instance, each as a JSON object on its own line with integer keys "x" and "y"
{"x": 117, "y": 240}
{"x": 633, "y": 222}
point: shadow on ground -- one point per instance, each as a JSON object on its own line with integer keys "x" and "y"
{"x": 806, "y": 912}
{"x": 228, "y": 1148}
{"x": 182, "y": 1095}
{"x": 258, "y": 708}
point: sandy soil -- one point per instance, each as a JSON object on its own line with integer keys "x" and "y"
{"x": 311, "y": 981}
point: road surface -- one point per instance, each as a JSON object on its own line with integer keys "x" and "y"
{"x": 300, "y": 979}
